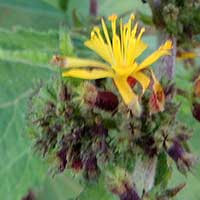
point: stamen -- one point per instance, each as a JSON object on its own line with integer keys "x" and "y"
{"x": 93, "y": 35}
{"x": 140, "y": 34}
{"x": 97, "y": 31}
{"x": 122, "y": 40}
{"x": 106, "y": 34}
{"x": 132, "y": 17}
{"x": 113, "y": 19}
{"x": 133, "y": 33}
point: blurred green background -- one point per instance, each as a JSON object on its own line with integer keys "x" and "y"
{"x": 29, "y": 36}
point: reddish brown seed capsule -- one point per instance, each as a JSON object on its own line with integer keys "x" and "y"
{"x": 105, "y": 100}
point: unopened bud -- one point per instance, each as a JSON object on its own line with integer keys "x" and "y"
{"x": 183, "y": 159}
{"x": 105, "y": 100}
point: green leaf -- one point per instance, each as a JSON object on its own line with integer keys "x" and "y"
{"x": 97, "y": 191}
{"x": 20, "y": 168}
{"x": 61, "y": 187}
{"x": 36, "y": 14}
{"x": 163, "y": 172}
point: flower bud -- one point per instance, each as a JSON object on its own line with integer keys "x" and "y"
{"x": 104, "y": 100}
{"x": 183, "y": 159}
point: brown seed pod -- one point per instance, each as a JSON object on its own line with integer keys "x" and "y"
{"x": 105, "y": 100}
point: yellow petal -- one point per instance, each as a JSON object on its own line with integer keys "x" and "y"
{"x": 162, "y": 51}
{"x": 128, "y": 96}
{"x": 88, "y": 74}
{"x": 142, "y": 79}
{"x": 122, "y": 70}
{"x": 187, "y": 55}
{"x": 124, "y": 89}
{"x": 102, "y": 49}
{"x": 135, "y": 49}
{"x": 117, "y": 50}
{"x": 70, "y": 62}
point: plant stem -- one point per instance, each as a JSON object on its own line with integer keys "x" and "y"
{"x": 93, "y": 7}
{"x": 167, "y": 67}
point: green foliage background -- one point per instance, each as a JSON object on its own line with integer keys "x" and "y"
{"x": 28, "y": 39}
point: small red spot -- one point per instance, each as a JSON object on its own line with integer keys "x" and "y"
{"x": 131, "y": 81}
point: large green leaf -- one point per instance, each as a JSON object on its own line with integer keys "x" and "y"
{"x": 97, "y": 191}
{"x": 61, "y": 187}
{"x": 20, "y": 68}
{"x": 24, "y": 58}
{"x": 36, "y": 14}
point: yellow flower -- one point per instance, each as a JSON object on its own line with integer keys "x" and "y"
{"x": 119, "y": 53}
{"x": 185, "y": 55}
